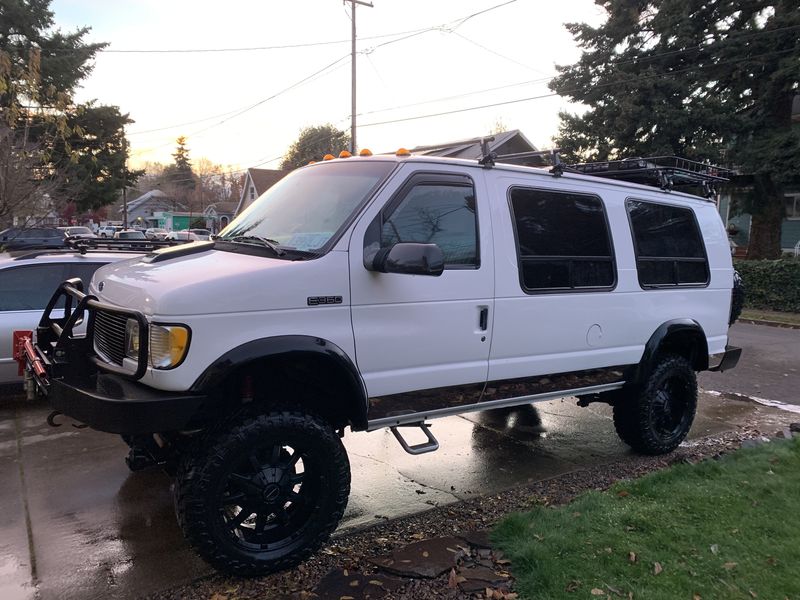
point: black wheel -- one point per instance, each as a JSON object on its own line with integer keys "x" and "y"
{"x": 737, "y": 298}
{"x": 657, "y": 418}
{"x": 263, "y": 493}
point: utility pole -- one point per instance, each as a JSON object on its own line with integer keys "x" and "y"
{"x": 353, "y": 71}
{"x": 125, "y": 184}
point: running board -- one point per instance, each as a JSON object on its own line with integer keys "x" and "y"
{"x": 430, "y": 446}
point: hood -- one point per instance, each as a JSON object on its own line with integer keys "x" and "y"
{"x": 210, "y": 281}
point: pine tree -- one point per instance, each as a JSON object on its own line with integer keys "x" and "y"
{"x": 704, "y": 79}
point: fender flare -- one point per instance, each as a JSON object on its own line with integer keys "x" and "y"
{"x": 293, "y": 346}
{"x": 683, "y": 327}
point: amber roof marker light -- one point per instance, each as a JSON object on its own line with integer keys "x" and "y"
{"x": 403, "y": 152}
{"x": 365, "y": 152}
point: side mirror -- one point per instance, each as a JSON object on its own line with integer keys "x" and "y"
{"x": 410, "y": 258}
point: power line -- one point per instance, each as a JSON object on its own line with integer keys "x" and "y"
{"x": 574, "y": 90}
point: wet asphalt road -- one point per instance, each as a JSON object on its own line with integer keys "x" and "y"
{"x": 76, "y": 524}
{"x": 769, "y": 368}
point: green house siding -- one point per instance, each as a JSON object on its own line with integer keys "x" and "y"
{"x": 742, "y": 224}
{"x": 180, "y": 222}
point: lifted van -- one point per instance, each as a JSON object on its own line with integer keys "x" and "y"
{"x": 386, "y": 291}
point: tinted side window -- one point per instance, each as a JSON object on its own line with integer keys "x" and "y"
{"x": 29, "y": 287}
{"x": 563, "y": 240}
{"x": 669, "y": 247}
{"x": 442, "y": 214}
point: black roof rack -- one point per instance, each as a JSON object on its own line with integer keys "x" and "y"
{"x": 665, "y": 172}
{"x": 84, "y": 244}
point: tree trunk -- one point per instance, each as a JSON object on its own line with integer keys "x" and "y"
{"x": 765, "y": 227}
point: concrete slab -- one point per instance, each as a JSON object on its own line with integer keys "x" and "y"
{"x": 98, "y": 531}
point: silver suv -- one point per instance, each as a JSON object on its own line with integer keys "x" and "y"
{"x": 28, "y": 280}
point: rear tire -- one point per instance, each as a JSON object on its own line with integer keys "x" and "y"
{"x": 264, "y": 493}
{"x": 656, "y": 418}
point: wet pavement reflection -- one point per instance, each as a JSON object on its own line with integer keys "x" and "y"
{"x": 76, "y": 524}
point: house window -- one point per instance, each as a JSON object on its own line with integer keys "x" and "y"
{"x": 793, "y": 206}
{"x": 563, "y": 242}
{"x": 252, "y": 193}
{"x": 669, "y": 248}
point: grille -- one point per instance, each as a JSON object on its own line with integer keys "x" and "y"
{"x": 109, "y": 336}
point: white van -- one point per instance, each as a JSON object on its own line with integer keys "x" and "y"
{"x": 386, "y": 291}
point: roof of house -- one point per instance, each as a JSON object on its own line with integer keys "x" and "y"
{"x": 224, "y": 207}
{"x": 151, "y": 195}
{"x": 262, "y": 179}
{"x": 505, "y": 142}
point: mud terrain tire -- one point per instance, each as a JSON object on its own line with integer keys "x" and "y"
{"x": 263, "y": 492}
{"x": 656, "y": 418}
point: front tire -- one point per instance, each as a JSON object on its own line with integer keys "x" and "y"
{"x": 264, "y": 493}
{"x": 656, "y": 418}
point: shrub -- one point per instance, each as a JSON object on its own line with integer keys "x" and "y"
{"x": 771, "y": 284}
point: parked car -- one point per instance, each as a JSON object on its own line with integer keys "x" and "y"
{"x": 78, "y": 232}
{"x": 108, "y": 231}
{"x": 28, "y": 279}
{"x": 383, "y": 292}
{"x": 182, "y": 236}
{"x": 155, "y": 233}
{"x": 35, "y": 237}
{"x": 129, "y": 234}
{"x": 202, "y": 234}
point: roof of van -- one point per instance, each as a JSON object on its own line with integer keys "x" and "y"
{"x": 566, "y": 176}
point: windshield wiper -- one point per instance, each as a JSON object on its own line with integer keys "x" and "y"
{"x": 257, "y": 240}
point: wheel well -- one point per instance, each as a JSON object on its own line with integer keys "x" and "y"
{"x": 306, "y": 380}
{"x": 689, "y": 343}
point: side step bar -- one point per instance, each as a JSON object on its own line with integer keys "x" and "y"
{"x": 430, "y": 446}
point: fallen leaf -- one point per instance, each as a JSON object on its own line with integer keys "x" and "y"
{"x": 608, "y": 550}
{"x": 503, "y": 561}
{"x": 354, "y": 583}
{"x": 657, "y": 568}
{"x": 217, "y": 596}
{"x": 697, "y": 597}
{"x": 729, "y": 565}
{"x": 417, "y": 536}
{"x": 576, "y": 514}
{"x": 615, "y": 591}
{"x": 377, "y": 582}
{"x": 714, "y": 548}
{"x": 753, "y": 594}
{"x": 425, "y": 554}
{"x": 573, "y": 585}
{"x": 451, "y": 582}
{"x": 345, "y": 572}
{"x": 623, "y": 494}
{"x": 632, "y": 557}
{"x": 598, "y": 592}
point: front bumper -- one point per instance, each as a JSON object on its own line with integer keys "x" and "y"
{"x": 113, "y": 404}
{"x": 63, "y": 367}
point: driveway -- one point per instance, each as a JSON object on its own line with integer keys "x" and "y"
{"x": 76, "y": 524}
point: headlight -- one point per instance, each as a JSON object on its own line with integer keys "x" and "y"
{"x": 132, "y": 339}
{"x": 168, "y": 345}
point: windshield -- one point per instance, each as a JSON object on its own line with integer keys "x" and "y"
{"x": 307, "y": 207}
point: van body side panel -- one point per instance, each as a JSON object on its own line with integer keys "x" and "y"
{"x": 555, "y": 332}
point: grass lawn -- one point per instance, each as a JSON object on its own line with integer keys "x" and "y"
{"x": 720, "y": 529}
{"x": 771, "y": 315}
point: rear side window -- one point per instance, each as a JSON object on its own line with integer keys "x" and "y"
{"x": 563, "y": 241}
{"x": 30, "y": 287}
{"x": 668, "y": 244}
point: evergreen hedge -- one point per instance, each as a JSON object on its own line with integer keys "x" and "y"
{"x": 771, "y": 284}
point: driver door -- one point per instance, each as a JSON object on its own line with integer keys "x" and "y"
{"x": 422, "y": 341}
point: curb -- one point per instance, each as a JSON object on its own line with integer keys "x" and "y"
{"x": 769, "y": 323}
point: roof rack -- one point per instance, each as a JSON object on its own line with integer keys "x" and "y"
{"x": 82, "y": 245}
{"x": 665, "y": 172}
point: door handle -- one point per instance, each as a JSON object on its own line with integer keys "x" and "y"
{"x": 483, "y": 320}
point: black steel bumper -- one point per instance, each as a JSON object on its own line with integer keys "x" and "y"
{"x": 113, "y": 404}
{"x": 730, "y": 358}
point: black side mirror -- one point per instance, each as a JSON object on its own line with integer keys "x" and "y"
{"x": 410, "y": 258}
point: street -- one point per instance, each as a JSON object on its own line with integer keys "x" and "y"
{"x": 76, "y": 524}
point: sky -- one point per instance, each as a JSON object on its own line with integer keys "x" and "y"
{"x": 244, "y": 108}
